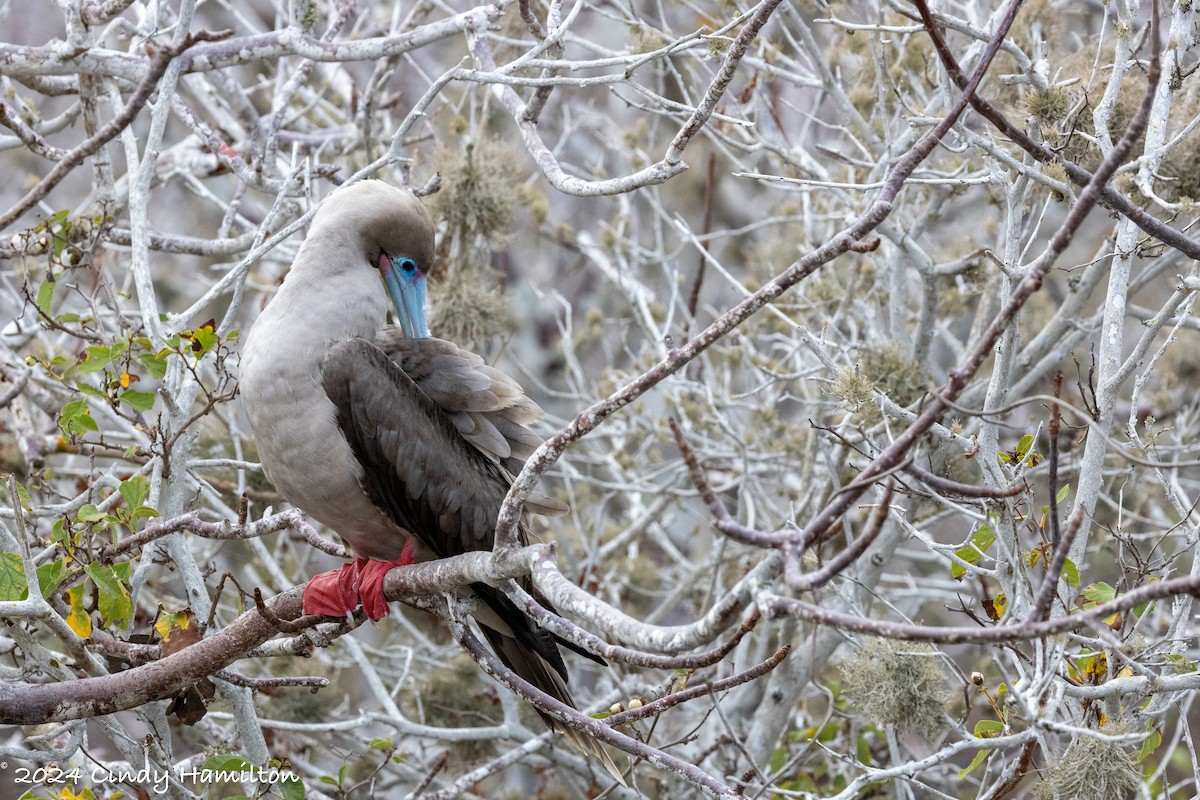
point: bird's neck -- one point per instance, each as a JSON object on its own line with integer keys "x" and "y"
{"x": 312, "y": 311}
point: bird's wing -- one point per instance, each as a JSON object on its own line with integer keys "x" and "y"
{"x": 423, "y": 473}
{"x": 489, "y": 409}
{"x": 418, "y": 468}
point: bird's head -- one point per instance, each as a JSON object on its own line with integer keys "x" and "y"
{"x": 389, "y": 231}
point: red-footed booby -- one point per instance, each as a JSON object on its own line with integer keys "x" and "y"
{"x": 403, "y": 444}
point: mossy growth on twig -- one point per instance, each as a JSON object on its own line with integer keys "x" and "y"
{"x": 1094, "y": 769}
{"x": 1049, "y": 106}
{"x": 647, "y": 40}
{"x": 882, "y": 367}
{"x": 478, "y": 196}
{"x": 480, "y": 193}
{"x": 895, "y": 374}
{"x": 1177, "y": 177}
{"x": 898, "y": 684}
{"x": 1039, "y": 21}
{"x": 853, "y": 388}
{"x": 457, "y": 695}
{"x": 467, "y": 310}
{"x": 302, "y": 705}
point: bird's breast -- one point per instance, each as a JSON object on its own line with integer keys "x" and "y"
{"x": 300, "y": 445}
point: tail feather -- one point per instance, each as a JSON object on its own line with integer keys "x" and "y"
{"x": 526, "y": 662}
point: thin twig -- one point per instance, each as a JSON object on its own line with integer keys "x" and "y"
{"x": 78, "y": 154}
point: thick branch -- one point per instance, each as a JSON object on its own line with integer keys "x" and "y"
{"x": 775, "y": 606}
{"x": 25, "y": 703}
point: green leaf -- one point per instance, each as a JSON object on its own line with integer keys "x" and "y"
{"x": 135, "y": 490}
{"x": 205, "y": 337}
{"x": 115, "y": 605}
{"x": 90, "y": 391}
{"x": 141, "y": 401}
{"x": 50, "y": 576}
{"x": 45, "y": 295}
{"x": 76, "y": 418}
{"x": 1142, "y": 608}
{"x": 979, "y": 758}
{"x": 1062, "y": 493}
{"x": 1095, "y": 594}
{"x": 1070, "y": 574}
{"x": 778, "y": 759}
{"x": 89, "y": 513}
{"x": 12, "y": 577}
{"x": 1024, "y": 452}
{"x": 987, "y": 728}
{"x": 1023, "y": 446}
{"x": 1150, "y": 744}
{"x": 70, "y": 316}
{"x": 98, "y": 357}
{"x": 23, "y": 496}
{"x": 59, "y": 533}
{"x": 155, "y": 364}
{"x": 143, "y": 511}
{"x": 382, "y": 744}
{"x": 291, "y": 787}
{"x": 227, "y": 762}
{"x": 1182, "y": 664}
{"x": 981, "y": 540}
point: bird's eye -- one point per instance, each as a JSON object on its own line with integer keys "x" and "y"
{"x": 407, "y": 264}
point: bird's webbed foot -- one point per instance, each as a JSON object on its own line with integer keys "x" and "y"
{"x": 338, "y": 592}
{"x": 334, "y": 593}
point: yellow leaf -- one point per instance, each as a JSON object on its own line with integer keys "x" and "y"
{"x": 169, "y": 625}
{"x": 1093, "y": 668}
{"x": 996, "y": 607}
{"x": 79, "y": 619}
{"x": 125, "y": 379}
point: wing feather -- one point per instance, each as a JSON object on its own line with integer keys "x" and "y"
{"x": 424, "y": 474}
{"x": 488, "y": 407}
{"x": 418, "y": 468}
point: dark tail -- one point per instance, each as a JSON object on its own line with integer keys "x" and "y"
{"x": 525, "y": 660}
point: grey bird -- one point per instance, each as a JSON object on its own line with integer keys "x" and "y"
{"x": 403, "y": 444}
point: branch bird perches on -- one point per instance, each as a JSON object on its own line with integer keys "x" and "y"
{"x": 403, "y": 444}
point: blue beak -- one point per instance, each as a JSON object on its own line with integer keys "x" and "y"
{"x": 405, "y": 283}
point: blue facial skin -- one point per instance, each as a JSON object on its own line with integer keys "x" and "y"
{"x": 405, "y": 283}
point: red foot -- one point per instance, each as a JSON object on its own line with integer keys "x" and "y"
{"x": 338, "y": 592}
